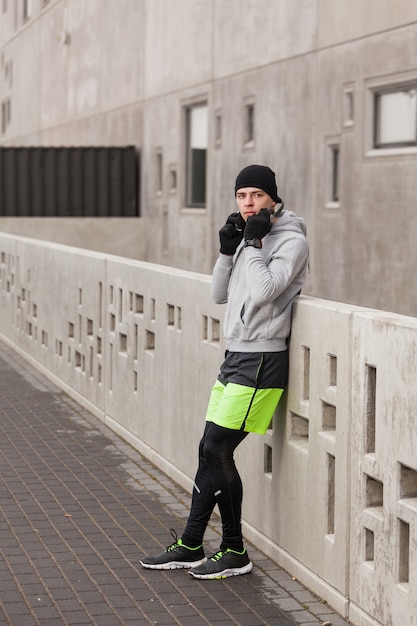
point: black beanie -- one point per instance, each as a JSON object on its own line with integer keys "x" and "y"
{"x": 259, "y": 176}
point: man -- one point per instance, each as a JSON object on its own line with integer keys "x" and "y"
{"x": 260, "y": 270}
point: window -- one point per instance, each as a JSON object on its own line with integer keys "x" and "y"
{"x": 348, "y": 106}
{"x": 332, "y": 173}
{"x": 5, "y": 115}
{"x": 249, "y": 124}
{"x": 196, "y": 155}
{"x": 173, "y": 179}
{"x": 335, "y": 173}
{"x": 27, "y": 9}
{"x": 395, "y": 117}
{"x": 159, "y": 172}
{"x": 218, "y": 128}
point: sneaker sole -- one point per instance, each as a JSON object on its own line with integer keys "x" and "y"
{"x": 173, "y": 564}
{"x": 226, "y": 573}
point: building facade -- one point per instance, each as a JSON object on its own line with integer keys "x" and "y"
{"x": 323, "y": 91}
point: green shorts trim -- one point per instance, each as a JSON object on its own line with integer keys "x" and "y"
{"x": 242, "y": 408}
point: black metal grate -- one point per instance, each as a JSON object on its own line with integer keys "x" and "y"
{"x": 69, "y": 181}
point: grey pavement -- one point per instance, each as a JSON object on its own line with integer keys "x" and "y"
{"x": 80, "y": 507}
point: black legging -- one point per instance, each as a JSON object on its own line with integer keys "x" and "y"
{"x": 217, "y": 482}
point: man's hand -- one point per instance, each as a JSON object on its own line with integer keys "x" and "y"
{"x": 258, "y": 226}
{"x": 231, "y": 234}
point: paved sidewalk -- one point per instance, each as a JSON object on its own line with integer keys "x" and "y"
{"x": 78, "y": 509}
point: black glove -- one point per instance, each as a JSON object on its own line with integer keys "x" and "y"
{"x": 258, "y": 225}
{"x": 231, "y": 234}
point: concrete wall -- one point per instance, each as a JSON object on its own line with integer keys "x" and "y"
{"x": 109, "y": 235}
{"x": 330, "y": 491}
{"x": 105, "y": 72}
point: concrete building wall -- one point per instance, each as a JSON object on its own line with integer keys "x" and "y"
{"x": 80, "y": 72}
{"x": 330, "y": 491}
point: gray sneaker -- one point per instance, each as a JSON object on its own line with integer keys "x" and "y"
{"x": 223, "y": 564}
{"x": 175, "y": 556}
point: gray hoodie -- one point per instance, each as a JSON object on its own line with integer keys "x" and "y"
{"x": 259, "y": 286}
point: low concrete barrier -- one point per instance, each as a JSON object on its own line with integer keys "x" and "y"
{"x": 330, "y": 491}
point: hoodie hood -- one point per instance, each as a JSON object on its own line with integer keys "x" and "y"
{"x": 289, "y": 221}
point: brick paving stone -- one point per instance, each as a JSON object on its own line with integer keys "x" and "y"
{"x": 304, "y": 617}
{"x": 80, "y": 507}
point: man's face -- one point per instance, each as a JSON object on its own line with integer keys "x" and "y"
{"x": 251, "y": 200}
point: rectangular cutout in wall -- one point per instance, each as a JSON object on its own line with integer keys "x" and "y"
{"x": 370, "y": 408}
{"x": 153, "y": 308}
{"x": 112, "y": 322}
{"x": 374, "y": 492}
{"x": 332, "y": 370}
{"x": 328, "y": 416}
{"x": 267, "y": 459}
{"x": 58, "y": 347}
{"x": 111, "y": 369}
{"x": 299, "y": 428}
{"x": 335, "y": 173}
{"x": 138, "y": 303}
{"x": 179, "y": 317}
{"x": 218, "y": 128}
{"x": 90, "y": 327}
{"x": 249, "y": 124}
{"x": 215, "y": 329}
{"x": 100, "y": 304}
{"x": 404, "y": 549}
{"x": 408, "y": 482}
{"x": 122, "y": 342}
{"x": 135, "y": 341}
{"x": 348, "y": 106}
{"x": 306, "y": 373}
{"x": 98, "y": 345}
{"x": 331, "y": 492}
{"x": 150, "y": 340}
{"x": 205, "y": 327}
{"x": 173, "y": 179}
{"x": 70, "y": 330}
{"x": 369, "y": 545}
{"x": 159, "y": 171}
{"x": 171, "y": 314}
{"x": 120, "y": 305}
